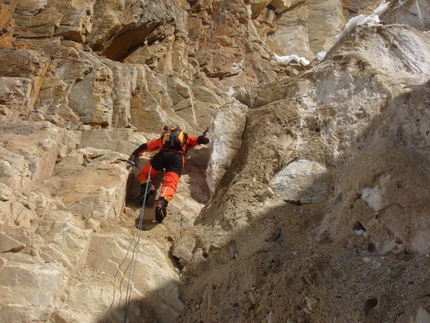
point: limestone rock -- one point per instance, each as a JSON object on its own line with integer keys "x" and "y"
{"x": 47, "y": 280}
{"x": 83, "y": 83}
{"x": 150, "y": 105}
{"x": 100, "y": 194}
{"x": 421, "y": 317}
{"x": 7, "y": 23}
{"x": 92, "y": 97}
{"x": 23, "y": 73}
{"x": 124, "y": 141}
{"x": 36, "y": 19}
{"x": 118, "y": 30}
{"x": 302, "y": 181}
{"x": 32, "y": 152}
{"x": 227, "y": 128}
{"x": 412, "y": 13}
{"x": 9, "y": 244}
{"x": 324, "y": 17}
{"x": 355, "y": 7}
{"x": 63, "y": 238}
{"x": 367, "y": 160}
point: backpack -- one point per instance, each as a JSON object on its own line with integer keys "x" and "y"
{"x": 174, "y": 138}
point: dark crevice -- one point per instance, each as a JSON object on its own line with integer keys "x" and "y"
{"x": 370, "y": 304}
{"x": 175, "y": 262}
{"x": 358, "y": 226}
{"x": 127, "y": 41}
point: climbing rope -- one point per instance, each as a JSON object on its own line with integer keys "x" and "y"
{"x": 132, "y": 266}
{"x": 419, "y": 13}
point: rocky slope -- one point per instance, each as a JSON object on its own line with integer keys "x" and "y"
{"x": 309, "y": 205}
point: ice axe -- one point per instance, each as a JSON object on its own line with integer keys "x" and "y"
{"x": 205, "y": 132}
{"x": 131, "y": 162}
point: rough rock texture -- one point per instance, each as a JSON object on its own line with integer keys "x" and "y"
{"x": 309, "y": 205}
{"x": 348, "y": 259}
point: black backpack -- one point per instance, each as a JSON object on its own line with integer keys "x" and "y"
{"x": 174, "y": 138}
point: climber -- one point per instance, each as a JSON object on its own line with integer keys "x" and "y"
{"x": 172, "y": 146}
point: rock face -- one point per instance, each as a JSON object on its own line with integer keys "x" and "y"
{"x": 283, "y": 264}
{"x": 309, "y": 205}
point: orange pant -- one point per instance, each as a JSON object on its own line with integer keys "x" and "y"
{"x": 171, "y": 180}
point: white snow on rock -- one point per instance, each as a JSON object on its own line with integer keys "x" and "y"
{"x": 361, "y": 20}
{"x": 292, "y": 58}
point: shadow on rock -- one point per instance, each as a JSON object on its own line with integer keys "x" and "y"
{"x": 160, "y": 305}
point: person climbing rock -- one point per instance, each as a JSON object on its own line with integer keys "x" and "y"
{"x": 172, "y": 146}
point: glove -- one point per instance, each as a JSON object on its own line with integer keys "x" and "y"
{"x": 132, "y": 158}
{"x": 202, "y": 140}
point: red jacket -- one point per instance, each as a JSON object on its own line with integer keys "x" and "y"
{"x": 155, "y": 145}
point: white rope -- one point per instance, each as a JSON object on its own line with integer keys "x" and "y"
{"x": 419, "y": 13}
{"x": 132, "y": 265}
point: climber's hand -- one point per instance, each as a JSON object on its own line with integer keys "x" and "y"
{"x": 202, "y": 140}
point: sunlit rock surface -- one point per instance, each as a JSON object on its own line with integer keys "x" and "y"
{"x": 309, "y": 204}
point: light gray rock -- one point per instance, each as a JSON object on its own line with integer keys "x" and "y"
{"x": 302, "y": 181}
{"x": 360, "y": 112}
{"x": 412, "y": 12}
{"x": 226, "y": 138}
{"x": 48, "y": 279}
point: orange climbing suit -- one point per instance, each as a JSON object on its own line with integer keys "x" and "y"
{"x": 172, "y": 161}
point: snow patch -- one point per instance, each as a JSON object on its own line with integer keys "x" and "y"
{"x": 321, "y": 55}
{"x": 292, "y": 58}
{"x": 361, "y": 20}
{"x": 237, "y": 67}
{"x": 373, "y": 197}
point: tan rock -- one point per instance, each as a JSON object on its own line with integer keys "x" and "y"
{"x": 92, "y": 98}
{"x": 31, "y": 25}
{"x": 25, "y": 72}
{"x": 120, "y": 30}
{"x": 76, "y": 20}
{"x": 360, "y": 112}
{"x": 100, "y": 193}
{"x": 124, "y": 141}
{"x": 7, "y": 24}
{"x": 288, "y": 41}
{"x": 324, "y": 18}
{"x": 8, "y": 244}
{"x": 47, "y": 279}
{"x": 63, "y": 239}
{"x": 38, "y": 143}
{"x": 146, "y": 106}
{"x": 124, "y": 85}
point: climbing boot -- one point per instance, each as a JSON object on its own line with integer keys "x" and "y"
{"x": 146, "y": 190}
{"x": 161, "y": 209}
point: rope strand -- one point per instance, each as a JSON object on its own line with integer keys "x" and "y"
{"x": 132, "y": 265}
